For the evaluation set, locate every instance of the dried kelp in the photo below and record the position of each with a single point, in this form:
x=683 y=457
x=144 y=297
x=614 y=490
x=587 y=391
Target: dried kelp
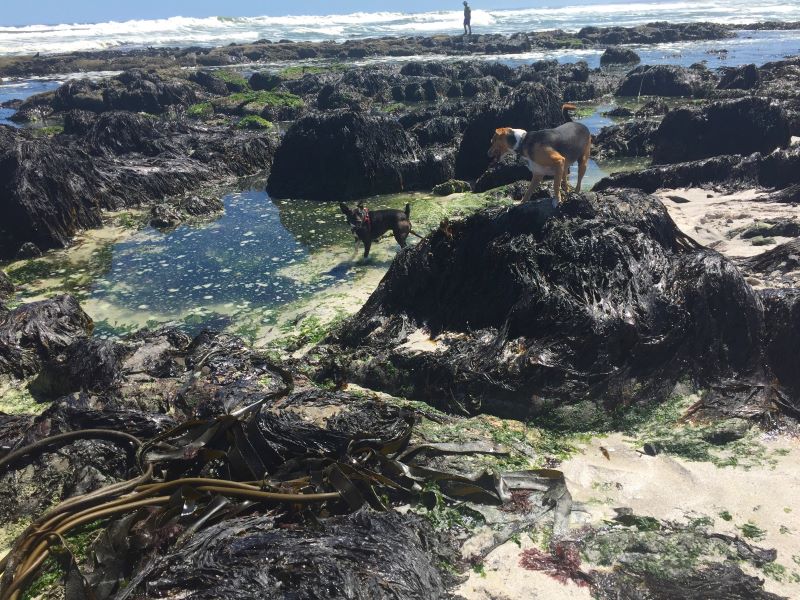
x=275 y=502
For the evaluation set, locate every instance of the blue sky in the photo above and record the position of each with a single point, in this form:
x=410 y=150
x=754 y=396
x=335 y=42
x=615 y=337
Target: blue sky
x=15 y=12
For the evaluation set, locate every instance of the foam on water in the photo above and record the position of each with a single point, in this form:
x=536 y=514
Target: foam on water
x=211 y=31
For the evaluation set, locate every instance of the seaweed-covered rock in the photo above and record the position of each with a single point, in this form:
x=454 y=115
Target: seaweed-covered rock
x=46 y=192
x=530 y=106
x=442 y=129
x=166 y=215
x=745 y=77
x=343 y=155
x=632 y=139
x=738 y=127
x=86 y=364
x=354 y=556
x=666 y=80
x=615 y=55
x=571 y=311
x=6 y=286
x=782 y=320
x=452 y=186
x=780 y=170
x=508 y=169
x=28 y=250
x=261 y=80
x=38 y=331
x=207 y=81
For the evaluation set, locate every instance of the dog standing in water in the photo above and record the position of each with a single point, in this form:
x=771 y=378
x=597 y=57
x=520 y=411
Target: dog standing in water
x=547 y=151
x=369 y=225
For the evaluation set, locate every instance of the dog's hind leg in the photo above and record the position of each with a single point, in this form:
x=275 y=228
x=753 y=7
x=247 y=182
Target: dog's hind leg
x=582 y=162
x=565 y=181
x=536 y=181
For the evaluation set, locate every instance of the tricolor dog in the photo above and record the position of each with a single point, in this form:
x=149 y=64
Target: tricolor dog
x=547 y=151
x=369 y=226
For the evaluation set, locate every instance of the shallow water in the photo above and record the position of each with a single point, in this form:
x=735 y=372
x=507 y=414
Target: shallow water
x=20 y=90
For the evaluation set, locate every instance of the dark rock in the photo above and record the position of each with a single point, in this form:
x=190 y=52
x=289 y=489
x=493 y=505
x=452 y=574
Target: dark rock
x=356 y=553
x=783 y=258
x=564 y=312
x=79 y=94
x=332 y=97
x=342 y=155
x=770 y=227
x=790 y=195
x=619 y=112
x=746 y=77
x=140 y=91
x=737 y=127
x=28 y=250
x=782 y=321
x=78 y=122
x=508 y=169
x=7 y=288
x=442 y=130
x=530 y=106
x=49 y=188
x=38 y=331
x=264 y=81
x=615 y=55
x=208 y=82
x=167 y=215
x=780 y=170
x=413 y=93
x=119 y=132
x=452 y=186
x=486 y=86
x=666 y=80
x=653 y=108
x=579 y=92
x=631 y=139
x=87 y=364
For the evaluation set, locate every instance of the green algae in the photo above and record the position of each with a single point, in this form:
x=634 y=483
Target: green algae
x=200 y=110
x=16 y=399
x=254 y=122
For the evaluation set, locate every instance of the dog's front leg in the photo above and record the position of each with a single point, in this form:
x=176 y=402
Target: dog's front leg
x=536 y=181
x=367 y=246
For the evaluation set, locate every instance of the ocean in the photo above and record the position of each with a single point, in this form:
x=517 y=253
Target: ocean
x=215 y=31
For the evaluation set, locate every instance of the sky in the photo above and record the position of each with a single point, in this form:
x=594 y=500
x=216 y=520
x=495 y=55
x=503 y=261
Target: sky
x=51 y=12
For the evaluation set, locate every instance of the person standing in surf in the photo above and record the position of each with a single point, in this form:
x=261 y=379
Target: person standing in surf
x=467 y=18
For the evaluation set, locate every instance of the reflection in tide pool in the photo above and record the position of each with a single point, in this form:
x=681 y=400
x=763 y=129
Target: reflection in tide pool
x=206 y=274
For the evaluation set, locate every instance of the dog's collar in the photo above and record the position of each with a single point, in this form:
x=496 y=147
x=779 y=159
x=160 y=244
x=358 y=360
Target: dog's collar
x=367 y=219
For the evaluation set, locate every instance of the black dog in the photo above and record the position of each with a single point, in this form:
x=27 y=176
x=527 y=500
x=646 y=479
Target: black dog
x=369 y=225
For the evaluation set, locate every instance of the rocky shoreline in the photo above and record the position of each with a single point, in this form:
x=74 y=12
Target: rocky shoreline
x=285 y=50
x=437 y=418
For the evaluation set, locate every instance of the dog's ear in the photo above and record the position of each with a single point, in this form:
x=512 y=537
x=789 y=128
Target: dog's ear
x=345 y=209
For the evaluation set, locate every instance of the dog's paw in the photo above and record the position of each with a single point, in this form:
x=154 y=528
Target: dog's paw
x=555 y=202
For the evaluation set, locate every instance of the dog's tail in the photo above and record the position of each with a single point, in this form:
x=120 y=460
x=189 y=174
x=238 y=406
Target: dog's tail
x=408 y=210
x=565 y=108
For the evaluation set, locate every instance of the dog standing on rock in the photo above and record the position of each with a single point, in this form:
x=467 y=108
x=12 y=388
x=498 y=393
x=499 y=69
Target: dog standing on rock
x=369 y=226
x=547 y=151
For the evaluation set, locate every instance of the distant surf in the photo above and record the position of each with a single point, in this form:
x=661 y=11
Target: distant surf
x=214 y=31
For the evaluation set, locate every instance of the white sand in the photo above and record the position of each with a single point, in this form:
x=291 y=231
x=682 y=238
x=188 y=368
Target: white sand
x=710 y=217
x=666 y=487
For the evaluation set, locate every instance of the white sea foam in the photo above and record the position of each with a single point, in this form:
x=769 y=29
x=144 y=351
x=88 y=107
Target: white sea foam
x=188 y=31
